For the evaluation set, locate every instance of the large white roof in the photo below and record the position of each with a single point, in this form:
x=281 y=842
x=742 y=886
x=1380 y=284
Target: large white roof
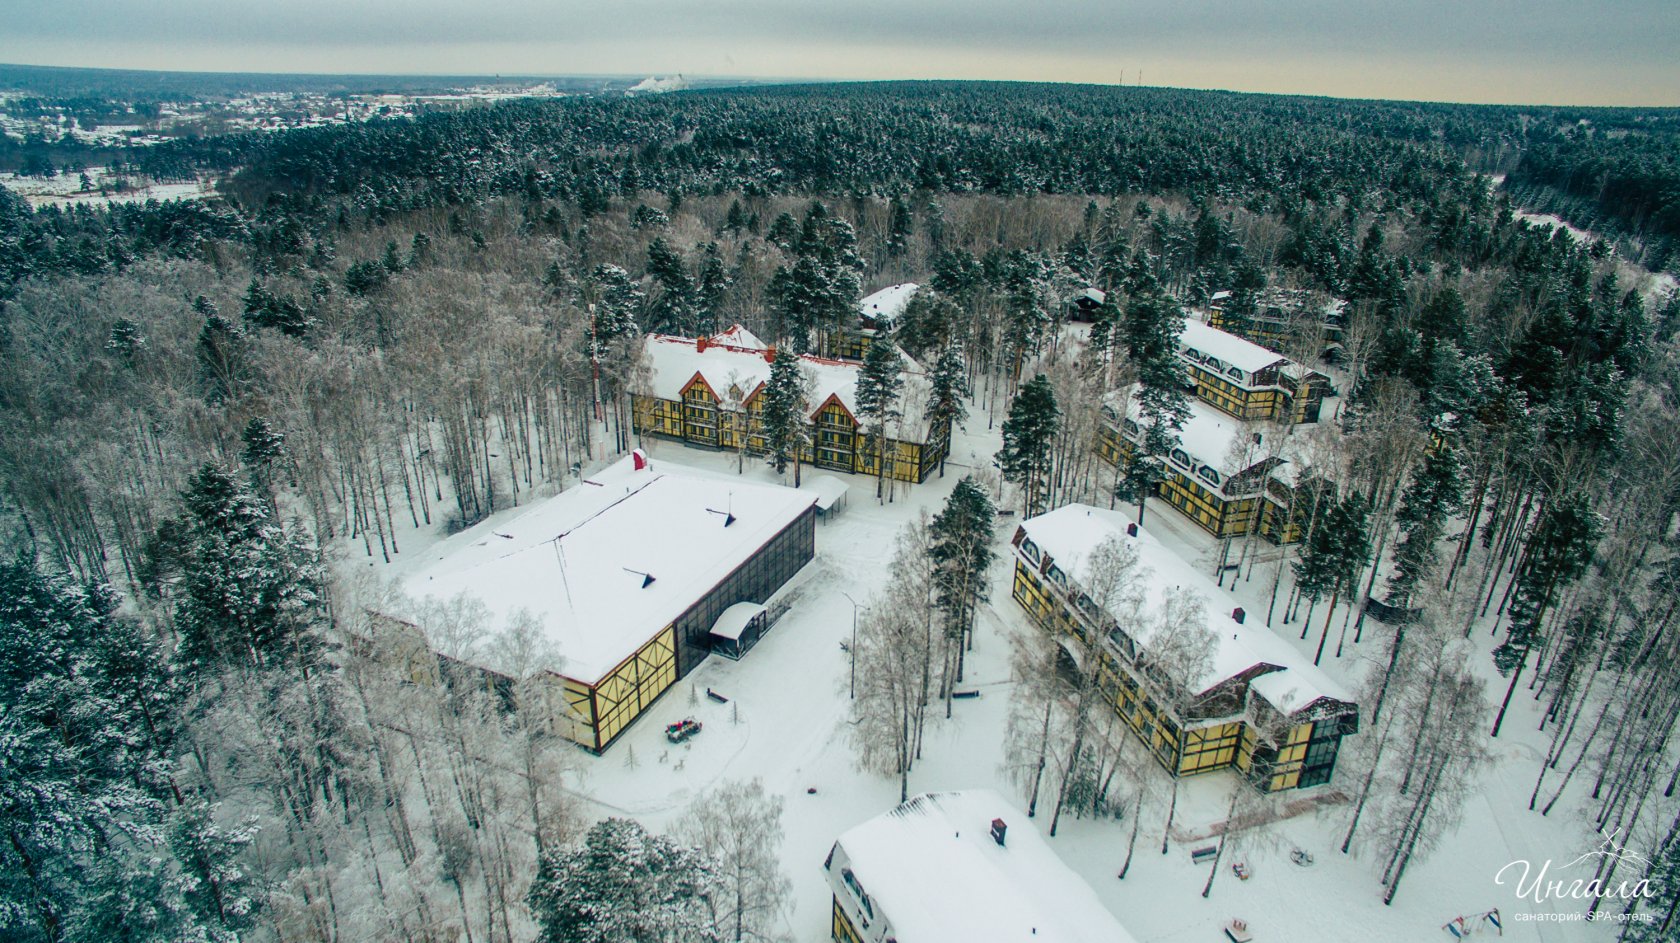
x=1229 y=348
x=579 y=561
x=933 y=872
x=884 y=306
x=1071 y=534
x=1209 y=436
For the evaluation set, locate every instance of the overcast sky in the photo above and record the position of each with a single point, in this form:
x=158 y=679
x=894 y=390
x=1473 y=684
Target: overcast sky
x=1528 y=51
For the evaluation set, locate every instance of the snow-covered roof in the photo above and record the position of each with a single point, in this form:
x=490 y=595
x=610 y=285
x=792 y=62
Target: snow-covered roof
x=932 y=871
x=1230 y=349
x=829 y=490
x=676 y=360
x=1096 y=295
x=607 y=564
x=1208 y=435
x=734 y=620
x=1071 y=534
x=884 y=306
x=739 y=336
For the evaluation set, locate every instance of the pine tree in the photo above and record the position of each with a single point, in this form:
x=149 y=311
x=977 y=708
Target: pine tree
x=783 y=415
x=618 y=301
x=624 y=885
x=1558 y=553
x=945 y=409
x=1150 y=330
x=961 y=551
x=251 y=592
x=1329 y=565
x=1433 y=495
x=1029 y=314
x=89 y=711
x=879 y=383
x=1029 y=436
x=900 y=226
x=712 y=291
x=671 y=307
x=264 y=447
x=223 y=359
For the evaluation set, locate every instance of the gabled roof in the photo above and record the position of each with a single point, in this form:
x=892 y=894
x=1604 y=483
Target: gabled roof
x=675 y=362
x=1209 y=436
x=1288 y=680
x=1230 y=349
x=933 y=873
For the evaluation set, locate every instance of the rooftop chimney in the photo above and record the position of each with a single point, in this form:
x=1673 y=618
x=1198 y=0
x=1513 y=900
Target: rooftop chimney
x=998 y=830
x=1238 y=615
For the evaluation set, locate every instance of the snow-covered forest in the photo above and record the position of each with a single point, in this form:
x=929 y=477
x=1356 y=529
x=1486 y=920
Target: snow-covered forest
x=228 y=426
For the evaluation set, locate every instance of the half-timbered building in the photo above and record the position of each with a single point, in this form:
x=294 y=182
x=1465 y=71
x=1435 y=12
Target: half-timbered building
x=706 y=392
x=625 y=577
x=1255 y=705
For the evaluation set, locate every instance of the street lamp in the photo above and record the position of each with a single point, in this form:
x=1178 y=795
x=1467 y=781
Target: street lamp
x=852 y=651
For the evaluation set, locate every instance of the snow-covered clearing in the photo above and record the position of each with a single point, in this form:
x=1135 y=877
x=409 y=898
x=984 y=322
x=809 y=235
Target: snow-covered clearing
x=786 y=722
x=66 y=189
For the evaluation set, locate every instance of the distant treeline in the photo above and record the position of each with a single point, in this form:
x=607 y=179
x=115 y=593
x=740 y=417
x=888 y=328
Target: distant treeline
x=1616 y=170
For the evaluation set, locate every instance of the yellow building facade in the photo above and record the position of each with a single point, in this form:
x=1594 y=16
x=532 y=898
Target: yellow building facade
x=707 y=394
x=1230 y=723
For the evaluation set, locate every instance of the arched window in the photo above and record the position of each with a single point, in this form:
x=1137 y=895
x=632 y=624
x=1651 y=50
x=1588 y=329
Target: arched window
x=1234 y=374
x=1207 y=472
x=1030 y=551
x=1179 y=457
x=1057 y=576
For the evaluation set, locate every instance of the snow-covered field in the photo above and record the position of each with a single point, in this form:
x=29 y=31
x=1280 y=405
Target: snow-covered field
x=786 y=722
x=66 y=189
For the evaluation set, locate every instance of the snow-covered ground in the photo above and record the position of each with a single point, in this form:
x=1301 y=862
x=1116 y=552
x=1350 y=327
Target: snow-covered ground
x=786 y=722
x=66 y=189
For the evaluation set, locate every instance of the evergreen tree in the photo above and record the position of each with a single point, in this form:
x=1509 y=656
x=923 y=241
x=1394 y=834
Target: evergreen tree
x=900 y=226
x=264 y=308
x=1150 y=330
x=1029 y=315
x=625 y=885
x=1429 y=500
x=671 y=307
x=711 y=291
x=126 y=341
x=879 y=383
x=1029 y=437
x=1244 y=302
x=948 y=387
x=618 y=301
x=783 y=415
x=223 y=359
x=961 y=551
x=251 y=592
x=88 y=713
x=1558 y=553
x=264 y=447
x=1329 y=564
